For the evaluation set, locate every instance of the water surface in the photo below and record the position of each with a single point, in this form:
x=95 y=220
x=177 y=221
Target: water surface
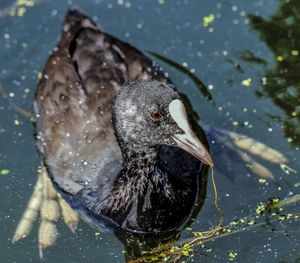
x=248 y=57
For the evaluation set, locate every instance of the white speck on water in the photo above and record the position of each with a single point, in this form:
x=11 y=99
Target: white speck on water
x=185 y=64
x=54 y=12
x=235 y=21
x=234 y=8
x=242 y=13
x=127 y=4
x=16 y=82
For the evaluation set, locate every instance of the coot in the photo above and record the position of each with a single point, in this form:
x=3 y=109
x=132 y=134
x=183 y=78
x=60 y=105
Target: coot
x=114 y=134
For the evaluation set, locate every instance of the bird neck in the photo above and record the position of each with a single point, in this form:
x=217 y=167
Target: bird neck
x=140 y=161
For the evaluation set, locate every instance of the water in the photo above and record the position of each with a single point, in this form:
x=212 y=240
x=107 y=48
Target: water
x=249 y=39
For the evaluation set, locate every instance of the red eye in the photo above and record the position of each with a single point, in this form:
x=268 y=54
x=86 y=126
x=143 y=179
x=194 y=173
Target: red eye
x=155 y=115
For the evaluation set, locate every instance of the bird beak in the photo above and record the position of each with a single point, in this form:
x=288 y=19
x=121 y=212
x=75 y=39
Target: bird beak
x=188 y=141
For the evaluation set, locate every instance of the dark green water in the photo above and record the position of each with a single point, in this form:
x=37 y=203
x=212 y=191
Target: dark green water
x=257 y=39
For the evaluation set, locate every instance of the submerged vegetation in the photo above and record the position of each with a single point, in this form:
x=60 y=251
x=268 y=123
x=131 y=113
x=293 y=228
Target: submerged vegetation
x=265 y=214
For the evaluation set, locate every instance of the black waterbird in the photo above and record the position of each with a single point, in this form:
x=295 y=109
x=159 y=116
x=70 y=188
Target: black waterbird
x=114 y=134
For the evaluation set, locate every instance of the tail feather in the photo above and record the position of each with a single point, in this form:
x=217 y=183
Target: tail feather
x=75 y=21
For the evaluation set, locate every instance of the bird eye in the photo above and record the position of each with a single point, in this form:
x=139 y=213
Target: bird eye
x=155 y=115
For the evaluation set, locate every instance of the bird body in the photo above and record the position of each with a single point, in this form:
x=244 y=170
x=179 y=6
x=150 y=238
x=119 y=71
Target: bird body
x=108 y=125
